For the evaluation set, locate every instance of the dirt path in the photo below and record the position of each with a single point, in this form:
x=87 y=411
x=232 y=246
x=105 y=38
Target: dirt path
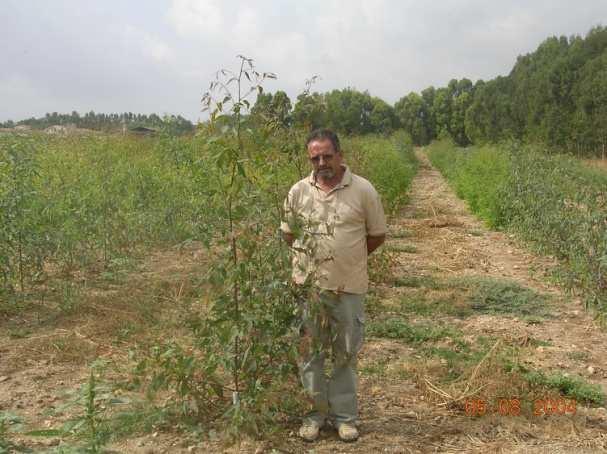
x=441 y=252
x=461 y=307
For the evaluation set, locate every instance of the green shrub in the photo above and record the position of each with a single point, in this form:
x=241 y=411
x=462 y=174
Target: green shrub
x=478 y=176
x=397 y=328
x=561 y=206
x=552 y=201
x=79 y=201
x=74 y=201
x=507 y=297
x=389 y=163
x=570 y=386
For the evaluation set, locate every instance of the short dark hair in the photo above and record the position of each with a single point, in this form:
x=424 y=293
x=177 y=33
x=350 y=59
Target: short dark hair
x=324 y=134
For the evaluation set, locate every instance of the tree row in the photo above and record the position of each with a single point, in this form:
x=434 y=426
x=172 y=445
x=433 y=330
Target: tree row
x=107 y=122
x=556 y=95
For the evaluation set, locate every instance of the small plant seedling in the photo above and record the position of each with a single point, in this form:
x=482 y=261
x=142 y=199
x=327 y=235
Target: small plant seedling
x=406 y=248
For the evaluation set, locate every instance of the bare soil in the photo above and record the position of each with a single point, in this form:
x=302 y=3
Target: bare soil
x=407 y=403
x=596 y=163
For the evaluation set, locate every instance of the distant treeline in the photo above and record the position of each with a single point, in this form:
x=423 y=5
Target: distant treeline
x=107 y=122
x=556 y=95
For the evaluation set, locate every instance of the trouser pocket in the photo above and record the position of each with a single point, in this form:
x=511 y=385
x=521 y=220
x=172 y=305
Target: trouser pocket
x=358 y=335
x=349 y=341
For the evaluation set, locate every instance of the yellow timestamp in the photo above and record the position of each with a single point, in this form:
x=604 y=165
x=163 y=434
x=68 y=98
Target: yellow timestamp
x=512 y=407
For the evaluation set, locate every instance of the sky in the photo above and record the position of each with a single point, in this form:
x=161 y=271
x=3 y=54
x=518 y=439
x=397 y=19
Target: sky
x=160 y=56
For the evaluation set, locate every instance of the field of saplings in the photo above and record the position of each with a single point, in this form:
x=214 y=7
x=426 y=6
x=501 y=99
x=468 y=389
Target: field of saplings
x=94 y=202
x=82 y=217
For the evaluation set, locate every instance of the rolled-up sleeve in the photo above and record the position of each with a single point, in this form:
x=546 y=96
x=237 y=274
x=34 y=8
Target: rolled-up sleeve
x=374 y=214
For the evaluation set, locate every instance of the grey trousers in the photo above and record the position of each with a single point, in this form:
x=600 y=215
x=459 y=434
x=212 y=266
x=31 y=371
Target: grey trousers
x=332 y=326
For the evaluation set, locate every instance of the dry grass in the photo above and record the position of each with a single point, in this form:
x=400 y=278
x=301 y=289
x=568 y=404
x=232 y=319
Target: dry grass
x=104 y=315
x=596 y=163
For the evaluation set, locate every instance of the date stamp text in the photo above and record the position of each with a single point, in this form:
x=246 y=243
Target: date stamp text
x=512 y=407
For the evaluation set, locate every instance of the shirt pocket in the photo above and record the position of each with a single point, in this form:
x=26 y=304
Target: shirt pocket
x=348 y=214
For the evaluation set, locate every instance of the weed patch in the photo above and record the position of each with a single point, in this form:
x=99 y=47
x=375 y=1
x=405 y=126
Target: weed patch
x=407 y=248
x=570 y=386
x=459 y=355
x=416 y=281
x=10 y=423
x=400 y=233
x=428 y=306
x=508 y=297
x=463 y=297
x=397 y=328
x=579 y=356
x=500 y=297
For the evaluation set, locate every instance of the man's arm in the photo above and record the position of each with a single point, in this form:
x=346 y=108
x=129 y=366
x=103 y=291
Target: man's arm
x=373 y=242
x=375 y=220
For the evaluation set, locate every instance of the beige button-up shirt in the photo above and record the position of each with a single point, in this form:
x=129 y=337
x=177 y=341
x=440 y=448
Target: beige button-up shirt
x=331 y=230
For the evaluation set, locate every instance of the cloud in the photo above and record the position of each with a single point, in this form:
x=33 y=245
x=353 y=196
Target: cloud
x=162 y=57
x=20 y=94
x=149 y=45
x=193 y=17
x=247 y=24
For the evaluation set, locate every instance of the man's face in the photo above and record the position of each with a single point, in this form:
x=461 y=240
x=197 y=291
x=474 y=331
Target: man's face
x=326 y=162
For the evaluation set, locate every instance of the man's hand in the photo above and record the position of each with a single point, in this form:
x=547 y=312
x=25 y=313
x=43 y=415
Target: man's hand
x=373 y=242
x=289 y=238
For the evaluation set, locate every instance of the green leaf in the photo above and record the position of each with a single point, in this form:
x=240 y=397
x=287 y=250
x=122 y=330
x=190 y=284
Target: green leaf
x=45 y=433
x=241 y=170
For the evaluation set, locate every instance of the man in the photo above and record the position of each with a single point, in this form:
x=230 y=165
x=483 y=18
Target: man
x=341 y=221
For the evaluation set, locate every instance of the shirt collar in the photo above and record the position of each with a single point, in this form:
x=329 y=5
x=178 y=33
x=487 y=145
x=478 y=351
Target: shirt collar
x=346 y=178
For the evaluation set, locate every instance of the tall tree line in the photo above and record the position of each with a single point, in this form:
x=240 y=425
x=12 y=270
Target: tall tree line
x=348 y=111
x=556 y=95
